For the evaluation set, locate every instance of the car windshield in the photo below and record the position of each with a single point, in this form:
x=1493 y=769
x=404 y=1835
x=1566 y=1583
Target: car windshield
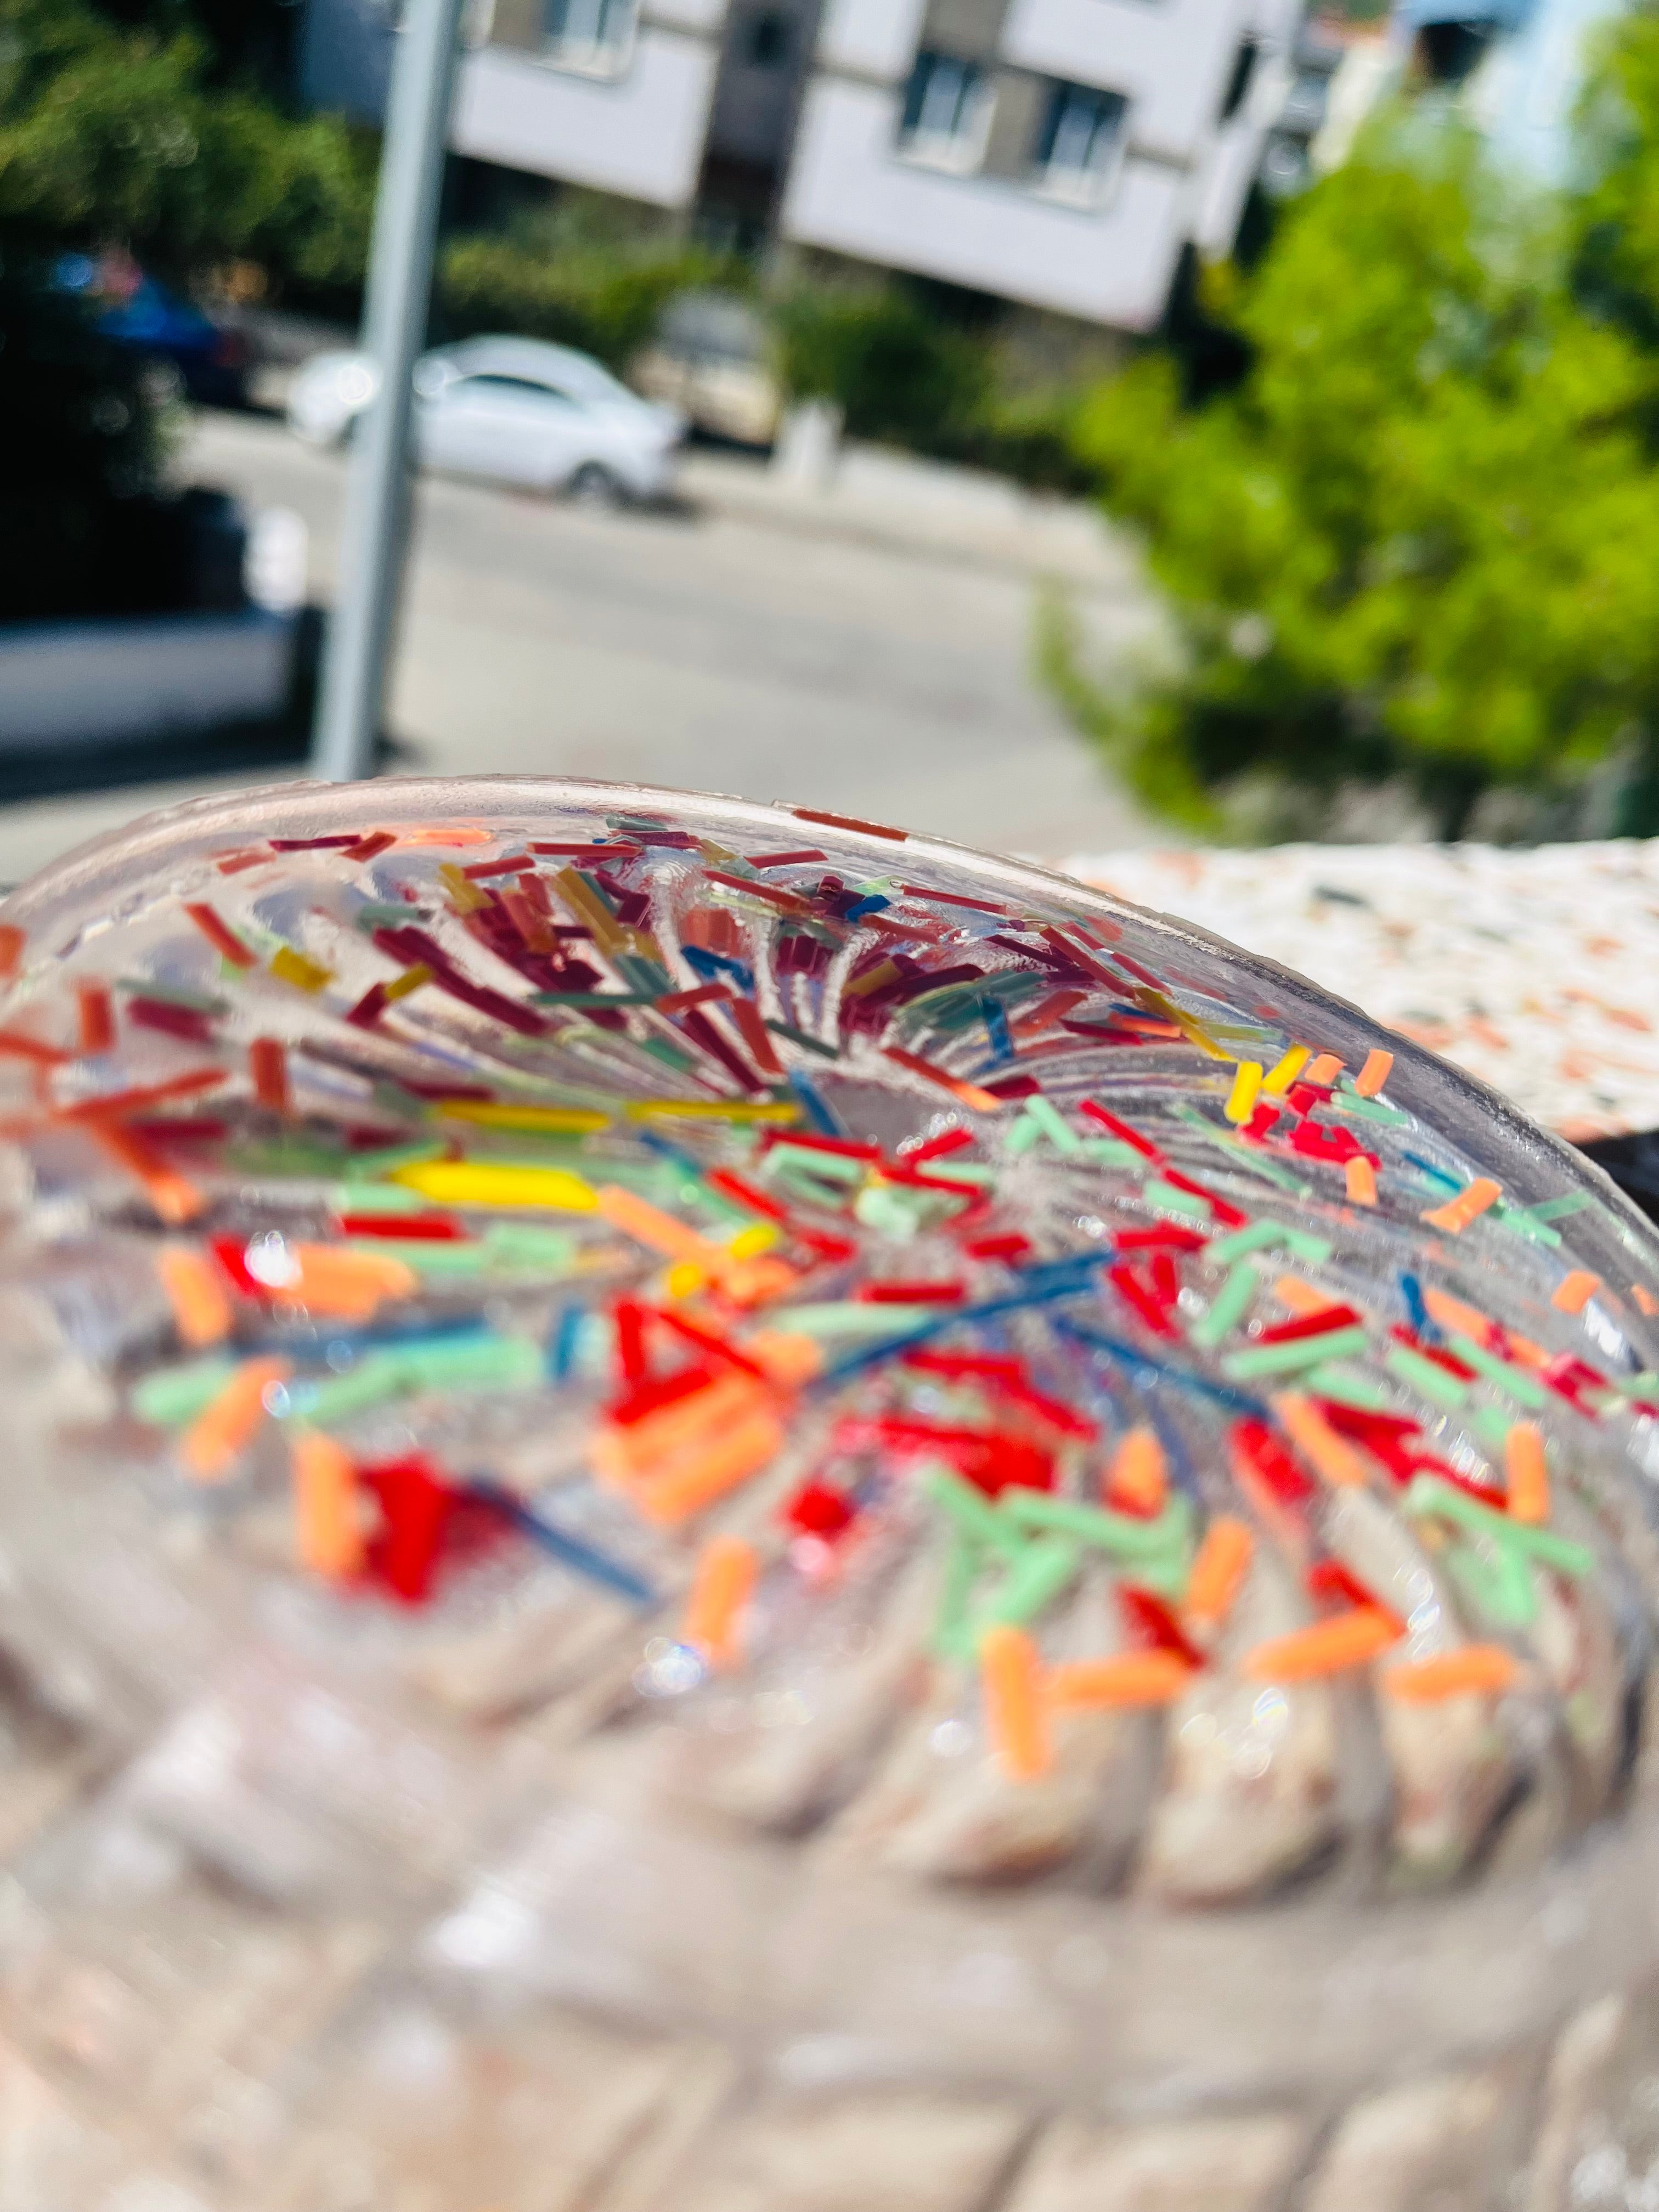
x=713 y=328
x=565 y=375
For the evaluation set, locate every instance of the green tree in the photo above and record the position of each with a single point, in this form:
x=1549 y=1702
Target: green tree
x=586 y=271
x=248 y=41
x=109 y=135
x=1614 y=213
x=113 y=135
x=926 y=368
x=1421 y=541
x=898 y=372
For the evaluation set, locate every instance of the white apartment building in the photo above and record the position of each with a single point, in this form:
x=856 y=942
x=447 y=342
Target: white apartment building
x=1058 y=154
x=617 y=94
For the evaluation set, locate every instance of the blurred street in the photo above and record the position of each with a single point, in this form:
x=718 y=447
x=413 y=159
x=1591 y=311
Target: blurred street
x=867 y=652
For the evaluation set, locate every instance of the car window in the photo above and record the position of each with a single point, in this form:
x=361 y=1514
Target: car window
x=481 y=385
x=586 y=382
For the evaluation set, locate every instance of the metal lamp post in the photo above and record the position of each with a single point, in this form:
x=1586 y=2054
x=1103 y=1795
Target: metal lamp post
x=374 y=527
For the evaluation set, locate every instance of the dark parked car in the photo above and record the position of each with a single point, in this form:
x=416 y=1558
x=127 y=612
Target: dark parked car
x=206 y=362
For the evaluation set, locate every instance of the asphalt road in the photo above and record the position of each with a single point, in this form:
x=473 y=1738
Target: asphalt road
x=722 y=648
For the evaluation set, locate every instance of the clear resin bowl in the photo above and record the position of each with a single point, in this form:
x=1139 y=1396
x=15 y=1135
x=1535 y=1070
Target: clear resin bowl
x=713 y=1510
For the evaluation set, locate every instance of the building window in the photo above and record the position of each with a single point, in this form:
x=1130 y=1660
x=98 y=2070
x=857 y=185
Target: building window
x=947 y=112
x=593 y=35
x=1448 y=53
x=766 y=39
x=1239 y=83
x=1079 y=144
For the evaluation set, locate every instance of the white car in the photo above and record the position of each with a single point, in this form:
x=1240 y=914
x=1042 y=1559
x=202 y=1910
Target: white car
x=514 y=409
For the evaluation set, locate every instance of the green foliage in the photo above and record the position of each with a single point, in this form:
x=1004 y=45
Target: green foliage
x=126 y=135
x=1615 y=213
x=583 y=274
x=905 y=374
x=108 y=135
x=306 y=202
x=246 y=41
x=100 y=135
x=1421 y=541
x=899 y=373
x=1034 y=437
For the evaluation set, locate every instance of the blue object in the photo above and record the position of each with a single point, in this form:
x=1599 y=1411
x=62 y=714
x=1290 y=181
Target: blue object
x=1417 y=1312
x=1040 y=1285
x=1174 y=1447
x=996 y=1028
x=569 y=1551
x=155 y=322
x=561 y=1353
x=1434 y=1174
x=1130 y=1356
x=353 y=1342
x=711 y=966
x=817 y=1112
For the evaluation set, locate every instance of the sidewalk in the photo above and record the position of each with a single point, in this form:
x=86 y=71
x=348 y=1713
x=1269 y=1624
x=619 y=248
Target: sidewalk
x=880 y=497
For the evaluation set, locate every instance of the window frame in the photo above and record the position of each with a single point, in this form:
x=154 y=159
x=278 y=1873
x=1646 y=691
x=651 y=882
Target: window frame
x=1090 y=184
x=960 y=153
x=1244 y=74
x=604 y=56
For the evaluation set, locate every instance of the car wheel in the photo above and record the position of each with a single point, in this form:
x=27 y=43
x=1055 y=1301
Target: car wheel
x=593 y=485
